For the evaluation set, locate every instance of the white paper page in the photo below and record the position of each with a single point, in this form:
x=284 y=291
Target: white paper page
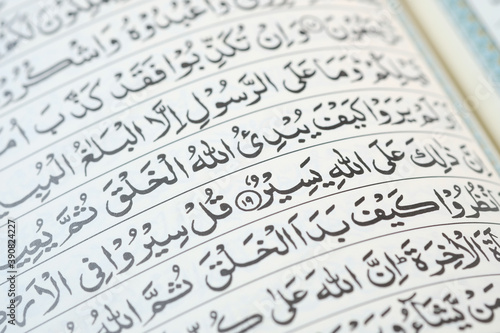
x=234 y=166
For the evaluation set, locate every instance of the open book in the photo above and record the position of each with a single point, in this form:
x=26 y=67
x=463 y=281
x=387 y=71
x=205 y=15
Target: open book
x=240 y=166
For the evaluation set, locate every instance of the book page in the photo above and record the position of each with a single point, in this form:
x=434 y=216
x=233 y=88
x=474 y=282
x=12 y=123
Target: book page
x=237 y=166
x=464 y=35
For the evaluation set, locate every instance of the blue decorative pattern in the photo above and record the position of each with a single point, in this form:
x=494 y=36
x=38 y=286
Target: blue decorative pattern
x=476 y=37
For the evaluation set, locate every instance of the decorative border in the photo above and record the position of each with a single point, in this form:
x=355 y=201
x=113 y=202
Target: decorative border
x=454 y=96
x=476 y=36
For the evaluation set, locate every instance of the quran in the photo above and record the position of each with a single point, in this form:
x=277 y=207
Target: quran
x=249 y=166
